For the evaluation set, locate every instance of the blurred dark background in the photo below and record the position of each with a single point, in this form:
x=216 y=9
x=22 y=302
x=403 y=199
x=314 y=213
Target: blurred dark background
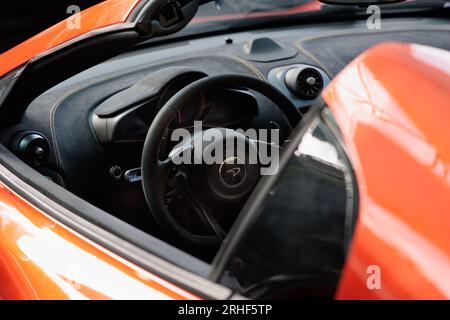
x=21 y=19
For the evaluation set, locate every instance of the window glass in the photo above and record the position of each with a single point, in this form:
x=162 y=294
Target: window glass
x=299 y=238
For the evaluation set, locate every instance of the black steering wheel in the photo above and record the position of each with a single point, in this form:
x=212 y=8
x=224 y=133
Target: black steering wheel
x=216 y=189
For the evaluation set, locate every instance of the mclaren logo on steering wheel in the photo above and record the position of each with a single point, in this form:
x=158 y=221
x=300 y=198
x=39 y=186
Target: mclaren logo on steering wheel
x=234 y=171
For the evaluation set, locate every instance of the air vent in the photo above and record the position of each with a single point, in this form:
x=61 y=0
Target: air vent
x=32 y=147
x=306 y=83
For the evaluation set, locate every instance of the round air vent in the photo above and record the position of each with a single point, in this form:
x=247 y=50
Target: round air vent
x=306 y=83
x=32 y=147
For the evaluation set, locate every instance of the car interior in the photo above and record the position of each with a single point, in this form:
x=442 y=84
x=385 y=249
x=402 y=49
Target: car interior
x=97 y=143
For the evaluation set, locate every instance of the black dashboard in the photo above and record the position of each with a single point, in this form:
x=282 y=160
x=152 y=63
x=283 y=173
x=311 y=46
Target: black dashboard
x=127 y=115
x=94 y=123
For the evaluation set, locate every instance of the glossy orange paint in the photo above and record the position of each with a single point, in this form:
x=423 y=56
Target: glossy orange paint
x=42 y=259
x=104 y=14
x=393 y=107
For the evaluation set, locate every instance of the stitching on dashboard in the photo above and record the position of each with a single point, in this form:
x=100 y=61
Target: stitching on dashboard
x=52 y=125
x=58 y=104
x=248 y=65
x=299 y=46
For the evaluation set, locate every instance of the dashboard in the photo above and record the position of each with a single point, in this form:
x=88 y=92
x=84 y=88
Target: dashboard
x=91 y=127
x=127 y=115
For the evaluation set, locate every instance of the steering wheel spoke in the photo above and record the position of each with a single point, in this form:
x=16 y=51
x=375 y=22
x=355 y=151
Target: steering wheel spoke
x=163 y=165
x=161 y=169
x=204 y=213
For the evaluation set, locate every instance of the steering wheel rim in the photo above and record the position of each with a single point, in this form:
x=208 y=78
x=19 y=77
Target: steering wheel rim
x=153 y=169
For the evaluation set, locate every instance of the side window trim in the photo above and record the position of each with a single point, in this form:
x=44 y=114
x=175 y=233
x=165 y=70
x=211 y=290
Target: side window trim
x=352 y=188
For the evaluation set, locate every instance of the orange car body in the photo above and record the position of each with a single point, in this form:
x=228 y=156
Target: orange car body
x=392 y=105
x=102 y=15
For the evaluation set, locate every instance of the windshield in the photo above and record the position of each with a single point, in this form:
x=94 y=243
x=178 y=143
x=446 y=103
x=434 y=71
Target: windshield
x=244 y=10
